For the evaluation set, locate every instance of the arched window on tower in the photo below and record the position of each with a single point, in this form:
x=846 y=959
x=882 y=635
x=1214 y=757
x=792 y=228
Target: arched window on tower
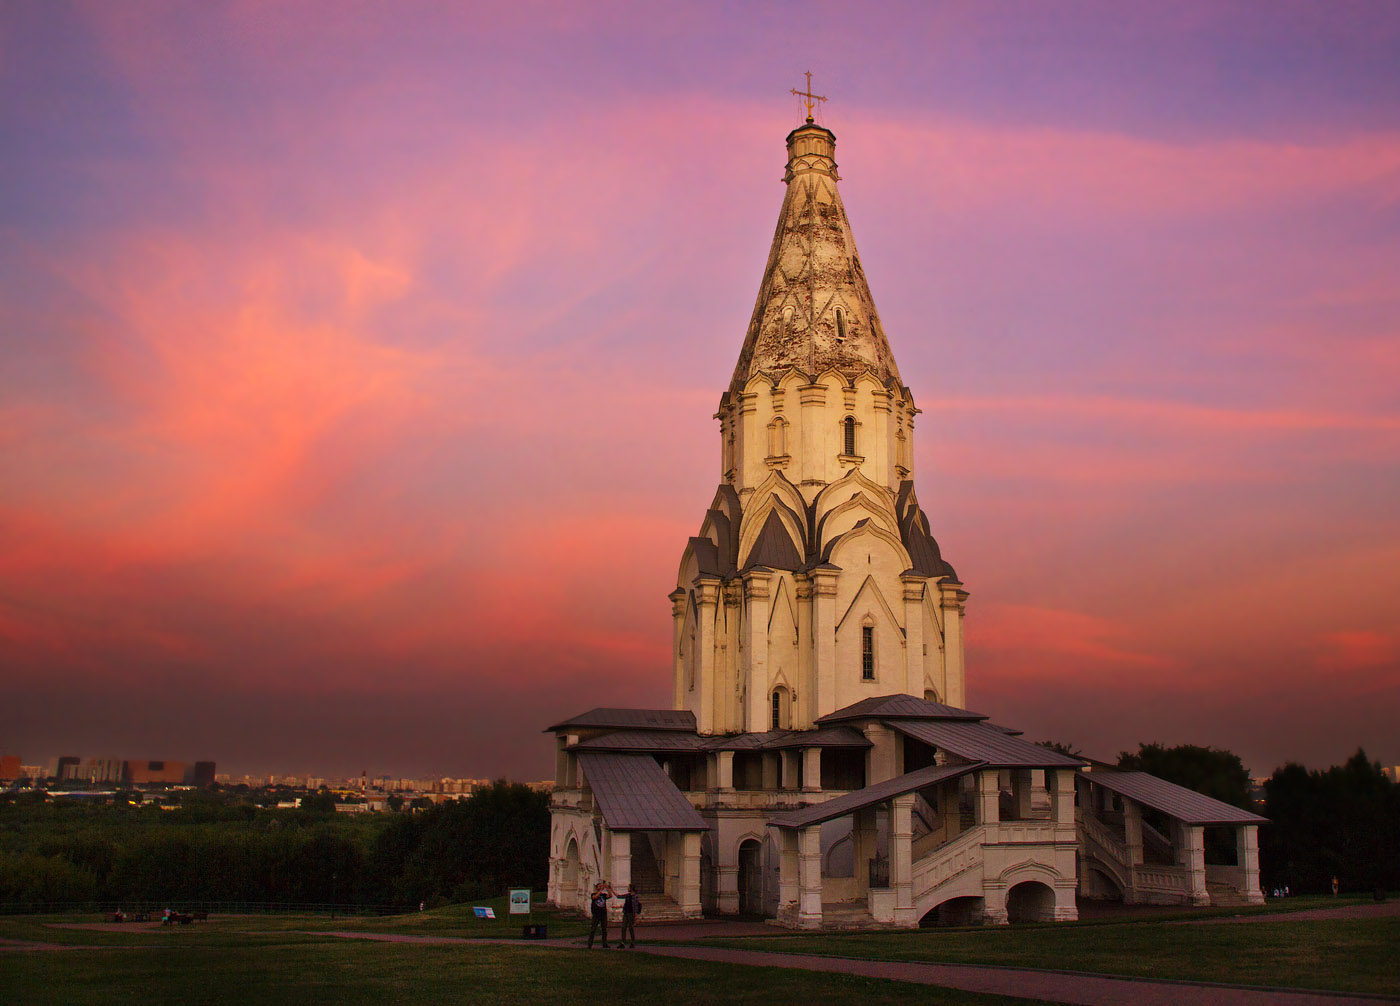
x=849 y=435
x=867 y=653
x=780 y=714
x=840 y=325
x=901 y=449
x=777 y=437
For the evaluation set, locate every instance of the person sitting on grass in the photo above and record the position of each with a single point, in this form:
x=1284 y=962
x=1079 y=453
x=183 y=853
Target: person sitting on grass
x=598 y=907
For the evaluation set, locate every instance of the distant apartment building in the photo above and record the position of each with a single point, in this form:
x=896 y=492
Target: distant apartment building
x=11 y=768
x=145 y=773
x=102 y=770
x=66 y=767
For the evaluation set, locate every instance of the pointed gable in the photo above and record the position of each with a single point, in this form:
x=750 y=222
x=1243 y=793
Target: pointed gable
x=774 y=547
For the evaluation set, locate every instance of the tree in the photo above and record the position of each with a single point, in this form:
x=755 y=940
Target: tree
x=1343 y=823
x=1212 y=771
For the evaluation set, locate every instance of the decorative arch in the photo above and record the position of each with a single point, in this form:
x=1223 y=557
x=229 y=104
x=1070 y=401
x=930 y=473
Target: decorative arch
x=844 y=488
x=868 y=529
x=848 y=514
x=778 y=437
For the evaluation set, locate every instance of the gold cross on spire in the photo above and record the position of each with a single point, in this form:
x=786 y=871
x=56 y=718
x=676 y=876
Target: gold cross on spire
x=809 y=99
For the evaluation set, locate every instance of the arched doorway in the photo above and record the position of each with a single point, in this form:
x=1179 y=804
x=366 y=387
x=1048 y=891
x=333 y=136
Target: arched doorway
x=750 y=877
x=1030 y=901
x=568 y=885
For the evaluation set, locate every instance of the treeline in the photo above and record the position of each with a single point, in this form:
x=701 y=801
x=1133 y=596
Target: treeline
x=1343 y=822
x=117 y=854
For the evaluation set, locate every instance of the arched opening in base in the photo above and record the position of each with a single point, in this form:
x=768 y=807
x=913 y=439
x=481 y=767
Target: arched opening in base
x=568 y=885
x=1030 y=901
x=955 y=912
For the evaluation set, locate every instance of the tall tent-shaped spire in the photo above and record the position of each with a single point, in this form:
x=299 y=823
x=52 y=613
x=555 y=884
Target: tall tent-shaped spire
x=814 y=310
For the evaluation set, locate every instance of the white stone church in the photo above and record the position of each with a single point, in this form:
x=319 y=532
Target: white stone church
x=818 y=766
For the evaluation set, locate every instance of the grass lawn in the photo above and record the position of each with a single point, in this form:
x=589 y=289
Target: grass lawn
x=264 y=963
x=1345 y=955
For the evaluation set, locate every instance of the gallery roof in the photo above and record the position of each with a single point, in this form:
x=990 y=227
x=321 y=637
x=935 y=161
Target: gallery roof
x=886 y=707
x=630 y=719
x=635 y=794
x=1186 y=805
x=982 y=742
x=817 y=813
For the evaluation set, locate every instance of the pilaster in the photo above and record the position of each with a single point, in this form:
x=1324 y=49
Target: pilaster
x=914 y=660
x=809 y=870
x=707 y=600
x=952 y=599
x=824 y=640
x=678 y=605
x=902 y=858
x=757 y=597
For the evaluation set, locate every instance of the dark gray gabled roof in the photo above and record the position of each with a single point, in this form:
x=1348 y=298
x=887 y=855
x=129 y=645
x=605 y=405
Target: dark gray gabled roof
x=871 y=795
x=1186 y=805
x=635 y=794
x=643 y=740
x=983 y=743
x=823 y=737
x=899 y=706
x=742 y=742
x=630 y=719
x=774 y=547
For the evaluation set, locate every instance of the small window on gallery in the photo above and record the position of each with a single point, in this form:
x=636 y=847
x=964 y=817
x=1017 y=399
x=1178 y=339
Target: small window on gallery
x=867 y=652
x=849 y=424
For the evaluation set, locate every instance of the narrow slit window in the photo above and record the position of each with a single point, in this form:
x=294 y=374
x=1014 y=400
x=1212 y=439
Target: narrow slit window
x=840 y=324
x=777 y=712
x=867 y=652
x=850 y=435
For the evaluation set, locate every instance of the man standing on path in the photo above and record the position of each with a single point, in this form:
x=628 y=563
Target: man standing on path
x=631 y=908
x=598 y=906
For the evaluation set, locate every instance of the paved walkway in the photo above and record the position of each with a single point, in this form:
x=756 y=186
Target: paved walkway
x=1375 y=910
x=1025 y=983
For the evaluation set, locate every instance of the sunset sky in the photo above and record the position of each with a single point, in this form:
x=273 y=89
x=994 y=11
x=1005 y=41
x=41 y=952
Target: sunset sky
x=357 y=361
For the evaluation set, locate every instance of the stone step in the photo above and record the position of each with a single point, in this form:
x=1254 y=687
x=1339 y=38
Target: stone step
x=847 y=915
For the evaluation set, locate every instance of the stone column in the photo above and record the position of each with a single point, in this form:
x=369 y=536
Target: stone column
x=1191 y=854
x=988 y=797
x=914 y=662
x=884 y=759
x=756 y=597
x=619 y=866
x=809 y=874
x=1247 y=858
x=789 y=757
x=688 y=897
x=811 y=770
x=1132 y=831
x=1060 y=782
x=788 y=869
x=951 y=598
x=772 y=771
x=1021 y=793
x=678 y=606
x=724 y=770
x=824 y=641
x=707 y=601
x=902 y=859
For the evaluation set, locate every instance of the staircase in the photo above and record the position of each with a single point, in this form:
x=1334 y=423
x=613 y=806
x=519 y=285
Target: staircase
x=649 y=885
x=646 y=877
x=847 y=915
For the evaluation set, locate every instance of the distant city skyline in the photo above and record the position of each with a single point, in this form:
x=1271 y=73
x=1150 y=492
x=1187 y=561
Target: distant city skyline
x=341 y=349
